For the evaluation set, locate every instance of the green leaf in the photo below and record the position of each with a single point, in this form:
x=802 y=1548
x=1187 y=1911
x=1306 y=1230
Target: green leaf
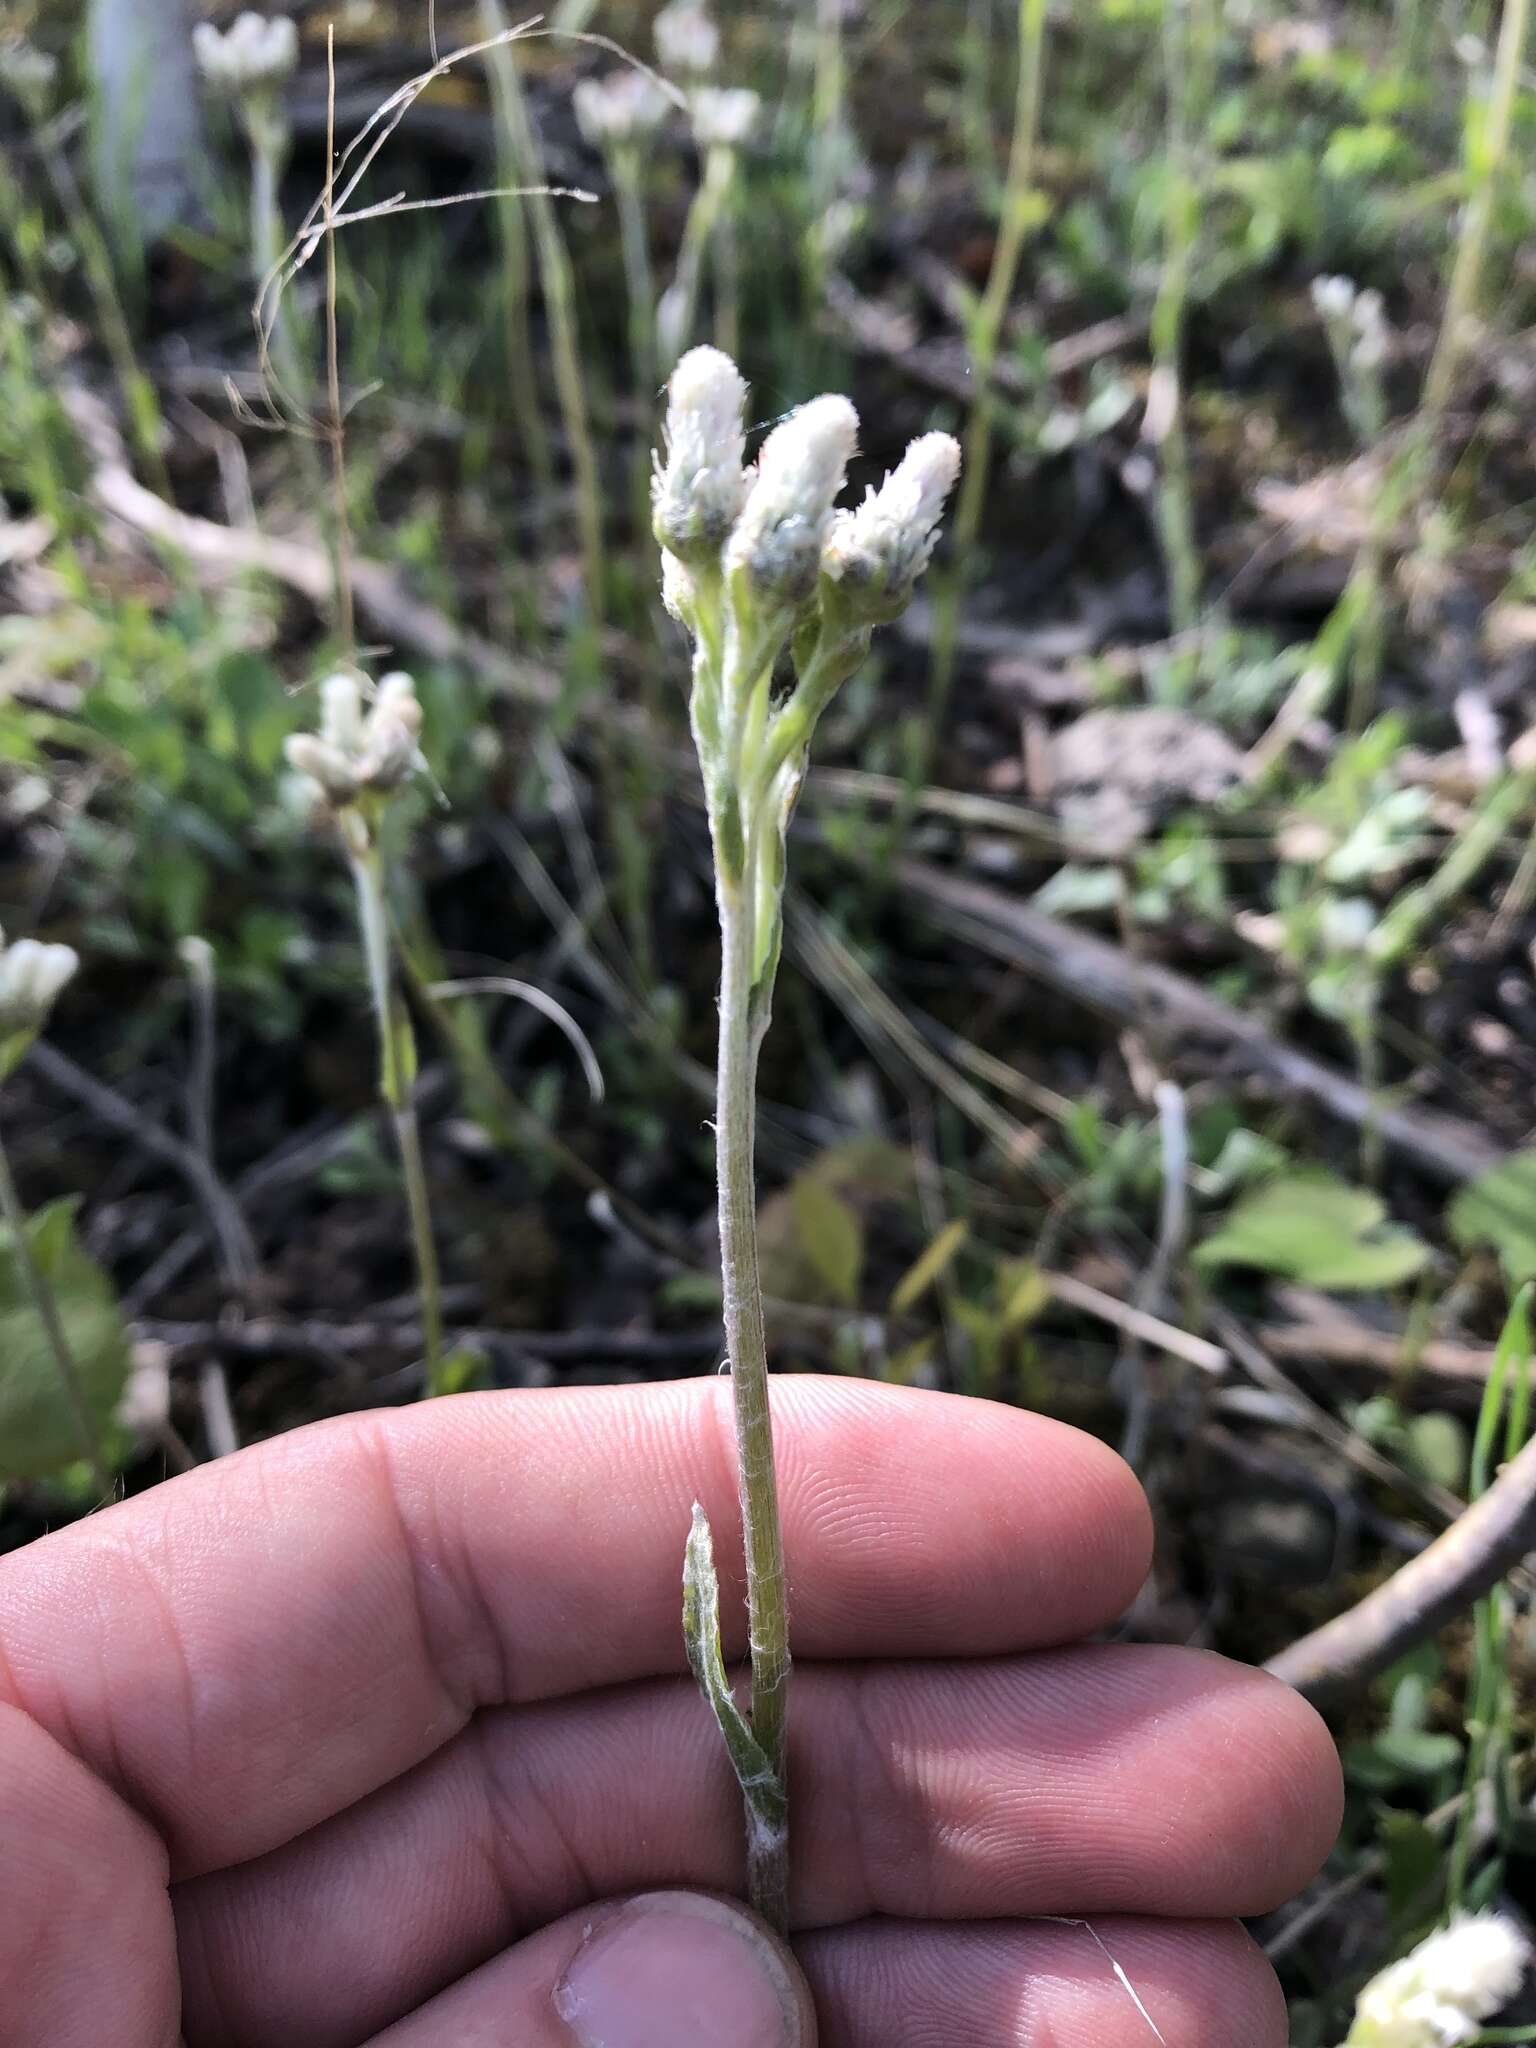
x=701 y=1634
x=1318 y=1231
x=1413 y=1853
x=1499 y=1209
x=38 y=1434
x=831 y=1237
x=929 y=1267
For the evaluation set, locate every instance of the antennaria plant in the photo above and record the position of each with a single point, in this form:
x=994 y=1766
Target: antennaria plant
x=32 y=977
x=761 y=568
x=358 y=762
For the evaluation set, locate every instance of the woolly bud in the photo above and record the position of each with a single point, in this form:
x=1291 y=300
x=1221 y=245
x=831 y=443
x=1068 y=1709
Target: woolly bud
x=30 y=73
x=783 y=527
x=391 y=734
x=341 y=712
x=1440 y=1993
x=723 y=117
x=31 y=977
x=877 y=552
x=687 y=40
x=1333 y=297
x=698 y=492
x=326 y=766
x=253 y=55
x=625 y=107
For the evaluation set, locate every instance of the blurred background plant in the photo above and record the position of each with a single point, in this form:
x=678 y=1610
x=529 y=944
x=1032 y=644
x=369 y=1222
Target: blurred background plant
x=1156 y=1035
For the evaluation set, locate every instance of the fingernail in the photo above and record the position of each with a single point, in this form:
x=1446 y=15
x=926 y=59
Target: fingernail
x=680 y=1970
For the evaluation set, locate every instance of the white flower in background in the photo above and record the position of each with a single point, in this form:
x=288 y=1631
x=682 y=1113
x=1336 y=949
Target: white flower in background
x=877 y=551
x=359 y=752
x=625 y=107
x=31 y=977
x=687 y=40
x=1333 y=297
x=724 y=116
x=1440 y=1993
x=785 y=522
x=700 y=488
x=255 y=54
x=29 y=73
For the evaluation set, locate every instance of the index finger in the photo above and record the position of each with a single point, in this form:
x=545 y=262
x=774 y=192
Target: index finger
x=247 y=1650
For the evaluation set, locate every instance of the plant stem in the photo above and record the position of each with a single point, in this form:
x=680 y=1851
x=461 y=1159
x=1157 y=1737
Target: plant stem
x=1487 y=167
x=680 y=304
x=559 y=284
x=986 y=333
x=1186 y=46
x=336 y=431
x=742 y=1022
x=522 y=379
x=47 y=1309
x=396 y=1062
x=640 y=290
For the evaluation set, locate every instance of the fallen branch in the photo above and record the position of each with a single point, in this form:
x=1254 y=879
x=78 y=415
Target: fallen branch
x=1458 y=1568
x=230 y=1231
x=386 y=608
x=1094 y=972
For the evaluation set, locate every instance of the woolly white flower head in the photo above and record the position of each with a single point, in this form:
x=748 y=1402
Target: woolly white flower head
x=724 y=117
x=783 y=526
x=255 y=54
x=31 y=976
x=698 y=492
x=1439 y=1995
x=357 y=751
x=624 y=107
x=30 y=73
x=687 y=40
x=1333 y=297
x=878 y=551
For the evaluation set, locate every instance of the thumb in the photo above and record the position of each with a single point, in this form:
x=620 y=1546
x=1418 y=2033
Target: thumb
x=659 y=1970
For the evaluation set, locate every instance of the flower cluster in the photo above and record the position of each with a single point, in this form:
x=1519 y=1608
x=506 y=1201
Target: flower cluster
x=32 y=975
x=1440 y=1993
x=759 y=562
x=1356 y=316
x=360 y=752
x=687 y=40
x=30 y=73
x=254 y=54
x=723 y=116
x=620 y=110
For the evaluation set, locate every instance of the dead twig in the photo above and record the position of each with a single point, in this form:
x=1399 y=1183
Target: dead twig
x=1098 y=974
x=1483 y=1544
x=231 y=1233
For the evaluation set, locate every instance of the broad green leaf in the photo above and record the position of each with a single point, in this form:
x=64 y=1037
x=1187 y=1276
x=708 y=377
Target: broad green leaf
x=37 y=1426
x=1499 y=1209
x=831 y=1237
x=929 y=1267
x=1317 y=1231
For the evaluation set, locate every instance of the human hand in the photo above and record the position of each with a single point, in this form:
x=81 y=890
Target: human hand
x=370 y=1734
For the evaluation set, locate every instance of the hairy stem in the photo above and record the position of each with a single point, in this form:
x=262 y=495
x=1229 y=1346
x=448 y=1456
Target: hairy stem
x=395 y=1064
x=741 y=1027
x=46 y=1307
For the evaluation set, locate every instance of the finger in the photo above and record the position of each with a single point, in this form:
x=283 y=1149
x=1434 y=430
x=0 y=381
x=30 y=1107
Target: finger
x=1109 y=1982
x=87 y=1943
x=1089 y=1780
x=665 y=1970
x=259 y=1644
x=890 y=1985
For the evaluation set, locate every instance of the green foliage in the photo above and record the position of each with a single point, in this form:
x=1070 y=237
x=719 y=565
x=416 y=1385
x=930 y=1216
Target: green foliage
x=1318 y=1231
x=38 y=1435
x=1498 y=1209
